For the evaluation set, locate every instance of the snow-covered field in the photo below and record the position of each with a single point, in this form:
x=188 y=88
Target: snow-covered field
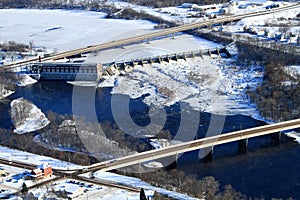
x=63 y=30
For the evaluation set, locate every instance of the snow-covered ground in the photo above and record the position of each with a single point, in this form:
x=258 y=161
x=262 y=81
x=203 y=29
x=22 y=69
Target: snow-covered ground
x=61 y=29
x=215 y=86
x=293 y=70
x=16 y=174
x=83 y=190
x=5 y=93
x=135 y=182
x=293 y=134
x=24 y=79
x=27 y=117
x=26 y=157
x=203 y=83
x=181 y=43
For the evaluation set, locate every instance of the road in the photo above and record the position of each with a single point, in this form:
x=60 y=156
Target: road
x=157 y=153
x=148 y=36
x=193 y=145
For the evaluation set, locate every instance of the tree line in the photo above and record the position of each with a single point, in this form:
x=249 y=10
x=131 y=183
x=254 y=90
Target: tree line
x=53 y=4
x=167 y=3
x=277 y=98
x=95 y=4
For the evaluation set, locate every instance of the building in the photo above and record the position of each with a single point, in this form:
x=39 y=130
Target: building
x=46 y=169
x=65 y=71
x=36 y=174
x=42 y=171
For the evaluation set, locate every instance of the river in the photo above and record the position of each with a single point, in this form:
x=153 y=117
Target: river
x=267 y=169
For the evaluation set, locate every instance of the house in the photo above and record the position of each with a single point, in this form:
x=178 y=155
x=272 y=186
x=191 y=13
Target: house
x=42 y=171
x=47 y=170
x=36 y=174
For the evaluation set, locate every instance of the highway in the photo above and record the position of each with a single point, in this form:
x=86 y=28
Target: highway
x=156 y=154
x=168 y=151
x=193 y=145
x=148 y=36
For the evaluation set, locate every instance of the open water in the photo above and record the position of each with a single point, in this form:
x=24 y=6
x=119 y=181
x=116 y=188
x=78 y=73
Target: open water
x=268 y=169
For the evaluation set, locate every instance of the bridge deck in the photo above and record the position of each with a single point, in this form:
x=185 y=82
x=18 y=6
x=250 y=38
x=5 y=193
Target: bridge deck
x=193 y=145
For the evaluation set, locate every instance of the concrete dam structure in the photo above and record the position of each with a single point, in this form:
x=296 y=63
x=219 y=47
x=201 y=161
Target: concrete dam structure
x=71 y=71
x=65 y=71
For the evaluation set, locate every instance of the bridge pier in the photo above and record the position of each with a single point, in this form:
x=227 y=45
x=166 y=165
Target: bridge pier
x=206 y=154
x=173 y=36
x=173 y=162
x=277 y=137
x=243 y=145
x=218 y=52
x=176 y=57
x=209 y=52
x=201 y=54
x=168 y=58
x=151 y=61
x=184 y=56
x=159 y=60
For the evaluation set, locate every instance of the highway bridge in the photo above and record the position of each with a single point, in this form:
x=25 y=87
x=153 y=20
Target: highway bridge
x=148 y=36
x=174 y=150
x=151 y=155
x=208 y=142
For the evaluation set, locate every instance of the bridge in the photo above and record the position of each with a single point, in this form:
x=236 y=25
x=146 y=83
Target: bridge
x=209 y=142
x=148 y=36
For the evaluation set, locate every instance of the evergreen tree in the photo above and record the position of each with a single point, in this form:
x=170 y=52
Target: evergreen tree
x=24 y=188
x=142 y=195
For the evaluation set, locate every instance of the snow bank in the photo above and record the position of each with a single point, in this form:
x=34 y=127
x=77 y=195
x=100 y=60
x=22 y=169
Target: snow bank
x=293 y=70
x=5 y=93
x=26 y=157
x=24 y=79
x=27 y=117
x=135 y=182
x=294 y=134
